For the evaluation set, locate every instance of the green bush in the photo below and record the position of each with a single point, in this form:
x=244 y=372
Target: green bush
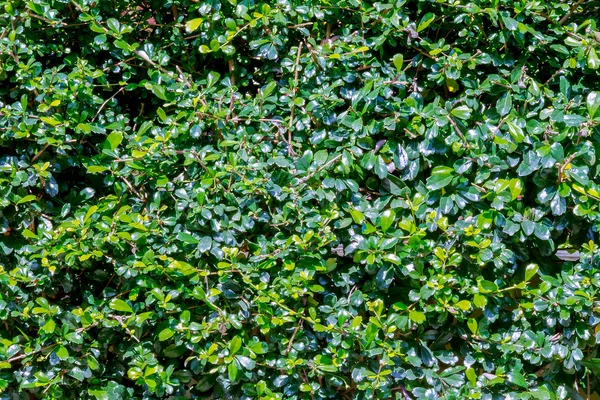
x=299 y=199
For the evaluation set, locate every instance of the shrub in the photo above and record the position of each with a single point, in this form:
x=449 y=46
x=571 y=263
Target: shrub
x=299 y=200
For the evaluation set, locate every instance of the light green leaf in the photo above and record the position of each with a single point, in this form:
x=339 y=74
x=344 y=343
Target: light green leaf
x=425 y=21
x=193 y=24
x=232 y=371
x=26 y=199
x=114 y=140
x=398 y=61
x=472 y=324
x=417 y=316
x=165 y=334
x=234 y=345
x=464 y=305
x=120 y=305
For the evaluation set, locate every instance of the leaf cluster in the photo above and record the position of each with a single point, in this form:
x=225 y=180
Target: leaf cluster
x=299 y=199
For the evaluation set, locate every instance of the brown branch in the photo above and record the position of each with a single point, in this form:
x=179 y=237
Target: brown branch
x=16 y=358
x=39 y=153
x=571 y=11
x=553 y=76
x=289 y=346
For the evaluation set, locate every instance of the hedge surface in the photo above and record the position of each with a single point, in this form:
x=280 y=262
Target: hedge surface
x=299 y=199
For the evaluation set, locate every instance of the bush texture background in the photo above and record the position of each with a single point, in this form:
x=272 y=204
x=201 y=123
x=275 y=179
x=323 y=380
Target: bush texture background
x=299 y=199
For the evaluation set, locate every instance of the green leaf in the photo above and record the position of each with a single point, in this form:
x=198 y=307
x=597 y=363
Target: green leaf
x=593 y=103
x=574 y=120
x=114 y=140
x=113 y=25
x=530 y=271
x=593 y=61
x=516 y=188
x=49 y=326
x=504 y=104
x=387 y=219
x=461 y=112
x=471 y=376
x=62 y=352
x=246 y=362
x=26 y=199
x=472 y=324
x=259 y=348
x=417 y=316
x=187 y=238
x=99 y=394
x=96 y=169
x=479 y=300
x=510 y=23
x=193 y=24
x=205 y=244
x=425 y=21
x=437 y=182
x=120 y=305
x=232 y=371
x=380 y=167
x=165 y=334
x=320 y=157
x=515 y=132
x=593 y=365
x=234 y=345
x=464 y=305
x=487 y=286
x=50 y=121
x=398 y=61
x=517 y=379
x=357 y=216
x=528 y=227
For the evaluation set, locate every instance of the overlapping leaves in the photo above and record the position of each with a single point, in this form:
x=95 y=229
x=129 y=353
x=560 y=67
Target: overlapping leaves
x=298 y=200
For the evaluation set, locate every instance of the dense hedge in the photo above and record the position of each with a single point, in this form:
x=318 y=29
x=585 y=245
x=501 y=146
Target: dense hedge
x=299 y=199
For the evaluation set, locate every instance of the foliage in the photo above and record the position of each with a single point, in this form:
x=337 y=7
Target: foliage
x=299 y=199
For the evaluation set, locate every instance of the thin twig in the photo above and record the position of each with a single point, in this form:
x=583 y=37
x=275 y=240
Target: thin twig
x=313 y=55
x=39 y=153
x=131 y=188
x=46 y=19
x=552 y=77
x=144 y=56
x=458 y=131
x=230 y=111
x=296 y=70
x=587 y=375
x=327 y=164
x=106 y=101
x=139 y=115
x=187 y=83
x=16 y=358
x=289 y=347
